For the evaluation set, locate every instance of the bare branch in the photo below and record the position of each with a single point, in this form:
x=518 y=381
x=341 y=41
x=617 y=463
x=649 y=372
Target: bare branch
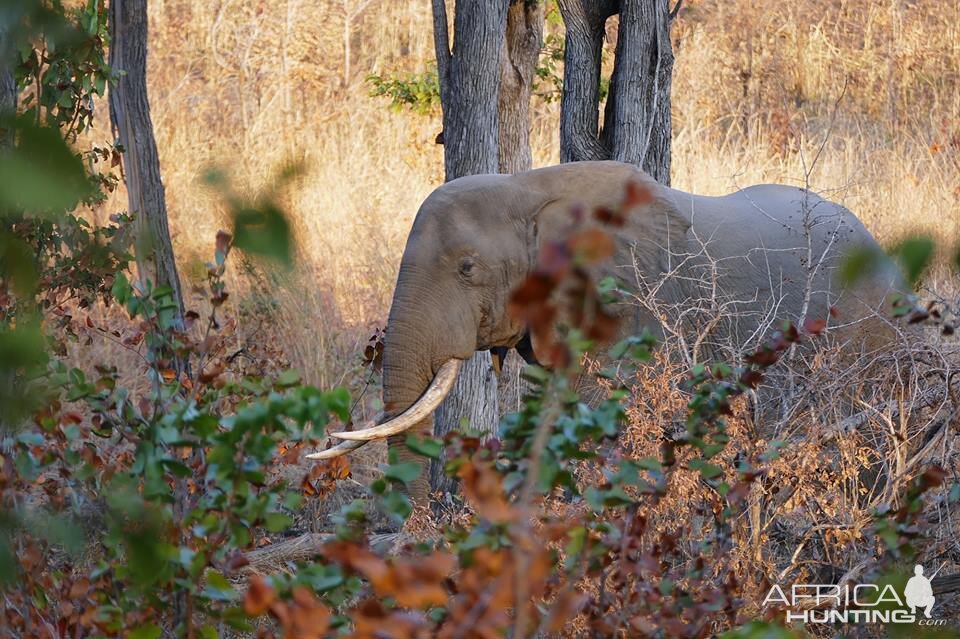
x=441 y=43
x=675 y=11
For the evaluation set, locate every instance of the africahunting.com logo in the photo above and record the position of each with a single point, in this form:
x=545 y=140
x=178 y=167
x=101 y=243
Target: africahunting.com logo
x=858 y=603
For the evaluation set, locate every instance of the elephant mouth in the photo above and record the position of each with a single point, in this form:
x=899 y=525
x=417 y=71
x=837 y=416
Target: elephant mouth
x=439 y=387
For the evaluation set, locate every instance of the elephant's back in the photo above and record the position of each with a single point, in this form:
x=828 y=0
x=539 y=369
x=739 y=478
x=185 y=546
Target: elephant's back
x=776 y=253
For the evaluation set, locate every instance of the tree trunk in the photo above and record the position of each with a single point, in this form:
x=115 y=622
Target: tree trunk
x=636 y=123
x=469 y=89
x=8 y=84
x=584 y=21
x=130 y=116
x=8 y=108
x=518 y=64
x=637 y=119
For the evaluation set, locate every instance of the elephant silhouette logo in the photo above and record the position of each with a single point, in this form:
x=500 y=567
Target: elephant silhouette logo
x=919 y=592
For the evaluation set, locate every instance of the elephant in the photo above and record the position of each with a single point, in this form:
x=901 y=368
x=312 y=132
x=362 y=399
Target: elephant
x=773 y=251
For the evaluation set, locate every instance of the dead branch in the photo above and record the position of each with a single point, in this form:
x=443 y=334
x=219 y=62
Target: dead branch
x=274 y=556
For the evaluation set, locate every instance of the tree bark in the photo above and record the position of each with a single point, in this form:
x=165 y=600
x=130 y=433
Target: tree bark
x=130 y=116
x=637 y=119
x=584 y=22
x=518 y=65
x=470 y=81
x=636 y=123
x=469 y=90
x=8 y=84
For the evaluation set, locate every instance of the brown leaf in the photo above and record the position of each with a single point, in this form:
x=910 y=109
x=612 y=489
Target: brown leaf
x=932 y=477
x=608 y=216
x=259 y=596
x=223 y=242
x=308 y=618
x=482 y=486
x=814 y=326
x=235 y=561
x=79 y=588
x=536 y=289
x=212 y=372
x=637 y=195
x=308 y=488
x=592 y=245
x=565 y=608
x=751 y=378
x=604 y=326
x=189 y=318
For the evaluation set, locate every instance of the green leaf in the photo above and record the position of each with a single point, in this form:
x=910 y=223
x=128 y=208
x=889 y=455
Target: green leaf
x=859 y=263
x=121 y=289
x=263 y=231
x=914 y=255
x=218 y=588
x=577 y=539
x=396 y=504
x=149 y=631
x=41 y=174
x=403 y=472
x=288 y=378
x=427 y=446
x=17 y=265
x=707 y=471
x=277 y=522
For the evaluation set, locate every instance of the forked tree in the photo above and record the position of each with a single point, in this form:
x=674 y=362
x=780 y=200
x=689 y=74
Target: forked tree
x=486 y=82
x=636 y=126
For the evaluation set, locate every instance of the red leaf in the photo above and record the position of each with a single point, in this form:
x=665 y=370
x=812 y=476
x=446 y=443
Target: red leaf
x=637 y=195
x=608 y=216
x=764 y=356
x=554 y=260
x=223 y=242
x=814 y=326
x=535 y=290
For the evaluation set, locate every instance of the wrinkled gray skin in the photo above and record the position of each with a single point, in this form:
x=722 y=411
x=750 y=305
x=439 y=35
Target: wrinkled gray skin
x=476 y=238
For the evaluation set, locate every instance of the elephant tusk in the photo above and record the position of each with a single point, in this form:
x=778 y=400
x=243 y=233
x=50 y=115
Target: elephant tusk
x=340 y=449
x=431 y=398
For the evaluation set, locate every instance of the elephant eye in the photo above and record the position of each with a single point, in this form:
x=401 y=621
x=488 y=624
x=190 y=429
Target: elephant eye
x=466 y=267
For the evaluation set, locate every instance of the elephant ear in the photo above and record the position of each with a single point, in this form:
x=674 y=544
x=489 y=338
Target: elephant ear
x=653 y=229
x=653 y=226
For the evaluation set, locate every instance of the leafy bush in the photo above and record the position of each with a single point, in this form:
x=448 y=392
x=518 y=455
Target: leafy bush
x=144 y=511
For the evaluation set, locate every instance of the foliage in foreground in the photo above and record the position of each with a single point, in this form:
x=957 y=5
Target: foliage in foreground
x=136 y=513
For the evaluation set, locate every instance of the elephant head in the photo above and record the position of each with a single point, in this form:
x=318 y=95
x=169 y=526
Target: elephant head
x=473 y=241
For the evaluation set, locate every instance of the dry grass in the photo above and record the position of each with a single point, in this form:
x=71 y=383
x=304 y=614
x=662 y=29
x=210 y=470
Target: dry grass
x=248 y=86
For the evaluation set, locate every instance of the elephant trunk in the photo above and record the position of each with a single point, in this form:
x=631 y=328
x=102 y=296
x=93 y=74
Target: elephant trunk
x=423 y=334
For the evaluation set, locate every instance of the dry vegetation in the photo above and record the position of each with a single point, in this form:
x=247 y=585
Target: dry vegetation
x=248 y=86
